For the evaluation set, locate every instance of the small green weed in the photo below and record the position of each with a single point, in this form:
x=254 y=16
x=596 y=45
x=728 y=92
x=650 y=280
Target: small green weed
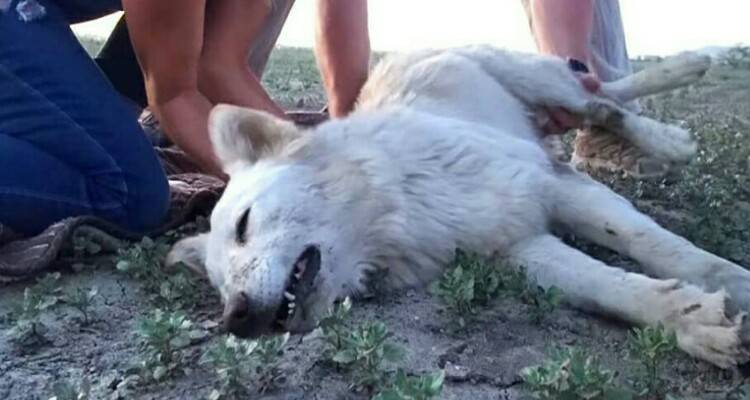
x=231 y=359
x=36 y=300
x=542 y=301
x=475 y=282
x=268 y=375
x=406 y=387
x=163 y=336
x=333 y=328
x=572 y=374
x=65 y=390
x=651 y=346
x=471 y=284
x=173 y=288
x=81 y=299
x=238 y=361
x=83 y=246
x=364 y=350
x=89 y=244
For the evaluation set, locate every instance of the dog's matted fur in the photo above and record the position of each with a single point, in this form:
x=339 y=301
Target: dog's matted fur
x=441 y=153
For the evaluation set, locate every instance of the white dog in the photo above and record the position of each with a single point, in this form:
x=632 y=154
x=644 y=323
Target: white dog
x=441 y=154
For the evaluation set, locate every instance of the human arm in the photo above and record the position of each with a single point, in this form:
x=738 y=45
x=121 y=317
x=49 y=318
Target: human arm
x=167 y=36
x=563 y=28
x=342 y=47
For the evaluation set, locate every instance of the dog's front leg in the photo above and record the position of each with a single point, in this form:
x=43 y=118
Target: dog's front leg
x=698 y=318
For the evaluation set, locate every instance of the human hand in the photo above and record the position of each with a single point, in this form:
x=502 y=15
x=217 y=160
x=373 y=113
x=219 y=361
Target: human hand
x=556 y=120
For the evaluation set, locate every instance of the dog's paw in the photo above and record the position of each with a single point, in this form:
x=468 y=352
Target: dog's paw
x=705 y=331
x=680 y=144
x=720 y=345
x=683 y=69
x=664 y=141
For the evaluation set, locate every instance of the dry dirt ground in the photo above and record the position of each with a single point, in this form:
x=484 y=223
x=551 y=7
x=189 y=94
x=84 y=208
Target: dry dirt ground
x=709 y=202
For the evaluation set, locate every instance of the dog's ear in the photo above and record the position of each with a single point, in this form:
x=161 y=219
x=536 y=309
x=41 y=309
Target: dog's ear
x=191 y=252
x=241 y=136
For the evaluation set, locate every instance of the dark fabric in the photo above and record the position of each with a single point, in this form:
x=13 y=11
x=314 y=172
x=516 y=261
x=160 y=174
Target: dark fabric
x=192 y=195
x=69 y=144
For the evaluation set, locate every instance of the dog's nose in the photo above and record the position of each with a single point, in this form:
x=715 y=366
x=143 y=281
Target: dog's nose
x=237 y=314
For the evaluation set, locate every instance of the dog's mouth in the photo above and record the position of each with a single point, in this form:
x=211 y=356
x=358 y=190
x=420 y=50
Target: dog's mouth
x=299 y=286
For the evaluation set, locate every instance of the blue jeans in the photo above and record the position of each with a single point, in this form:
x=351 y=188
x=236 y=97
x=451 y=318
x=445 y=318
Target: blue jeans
x=69 y=144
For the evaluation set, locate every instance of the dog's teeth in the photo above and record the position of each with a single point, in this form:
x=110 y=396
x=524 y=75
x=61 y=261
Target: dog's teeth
x=291 y=305
x=289 y=296
x=291 y=311
x=298 y=275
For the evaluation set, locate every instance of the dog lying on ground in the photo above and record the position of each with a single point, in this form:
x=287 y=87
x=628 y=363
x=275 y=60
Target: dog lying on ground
x=440 y=154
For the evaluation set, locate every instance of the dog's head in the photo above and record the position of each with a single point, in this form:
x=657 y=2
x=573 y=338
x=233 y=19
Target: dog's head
x=281 y=248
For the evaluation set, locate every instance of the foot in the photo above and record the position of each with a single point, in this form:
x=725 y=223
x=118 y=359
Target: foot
x=702 y=325
x=599 y=149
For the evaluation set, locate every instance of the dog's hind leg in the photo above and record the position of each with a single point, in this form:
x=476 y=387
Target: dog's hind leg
x=593 y=211
x=697 y=318
x=663 y=141
x=540 y=81
x=531 y=77
x=671 y=73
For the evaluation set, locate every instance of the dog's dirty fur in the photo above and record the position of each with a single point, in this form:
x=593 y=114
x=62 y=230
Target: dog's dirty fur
x=441 y=154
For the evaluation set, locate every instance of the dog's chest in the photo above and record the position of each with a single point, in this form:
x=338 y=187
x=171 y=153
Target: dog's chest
x=464 y=184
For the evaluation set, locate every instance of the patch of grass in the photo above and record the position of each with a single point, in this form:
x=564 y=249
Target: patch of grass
x=474 y=282
x=174 y=288
x=651 y=346
x=37 y=299
x=365 y=349
x=541 y=301
x=163 y=335
x=333 y=328
x=81 y=299
x=232 y=360
x=737 y=57
x=572 y=374
x=293 y=80
x=238 y=361
x=66 y=390
x=406 y=387
x=268 y=375
x=84 y=246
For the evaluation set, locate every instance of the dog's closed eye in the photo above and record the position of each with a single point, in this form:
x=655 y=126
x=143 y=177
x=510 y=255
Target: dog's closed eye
x=240 y=234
